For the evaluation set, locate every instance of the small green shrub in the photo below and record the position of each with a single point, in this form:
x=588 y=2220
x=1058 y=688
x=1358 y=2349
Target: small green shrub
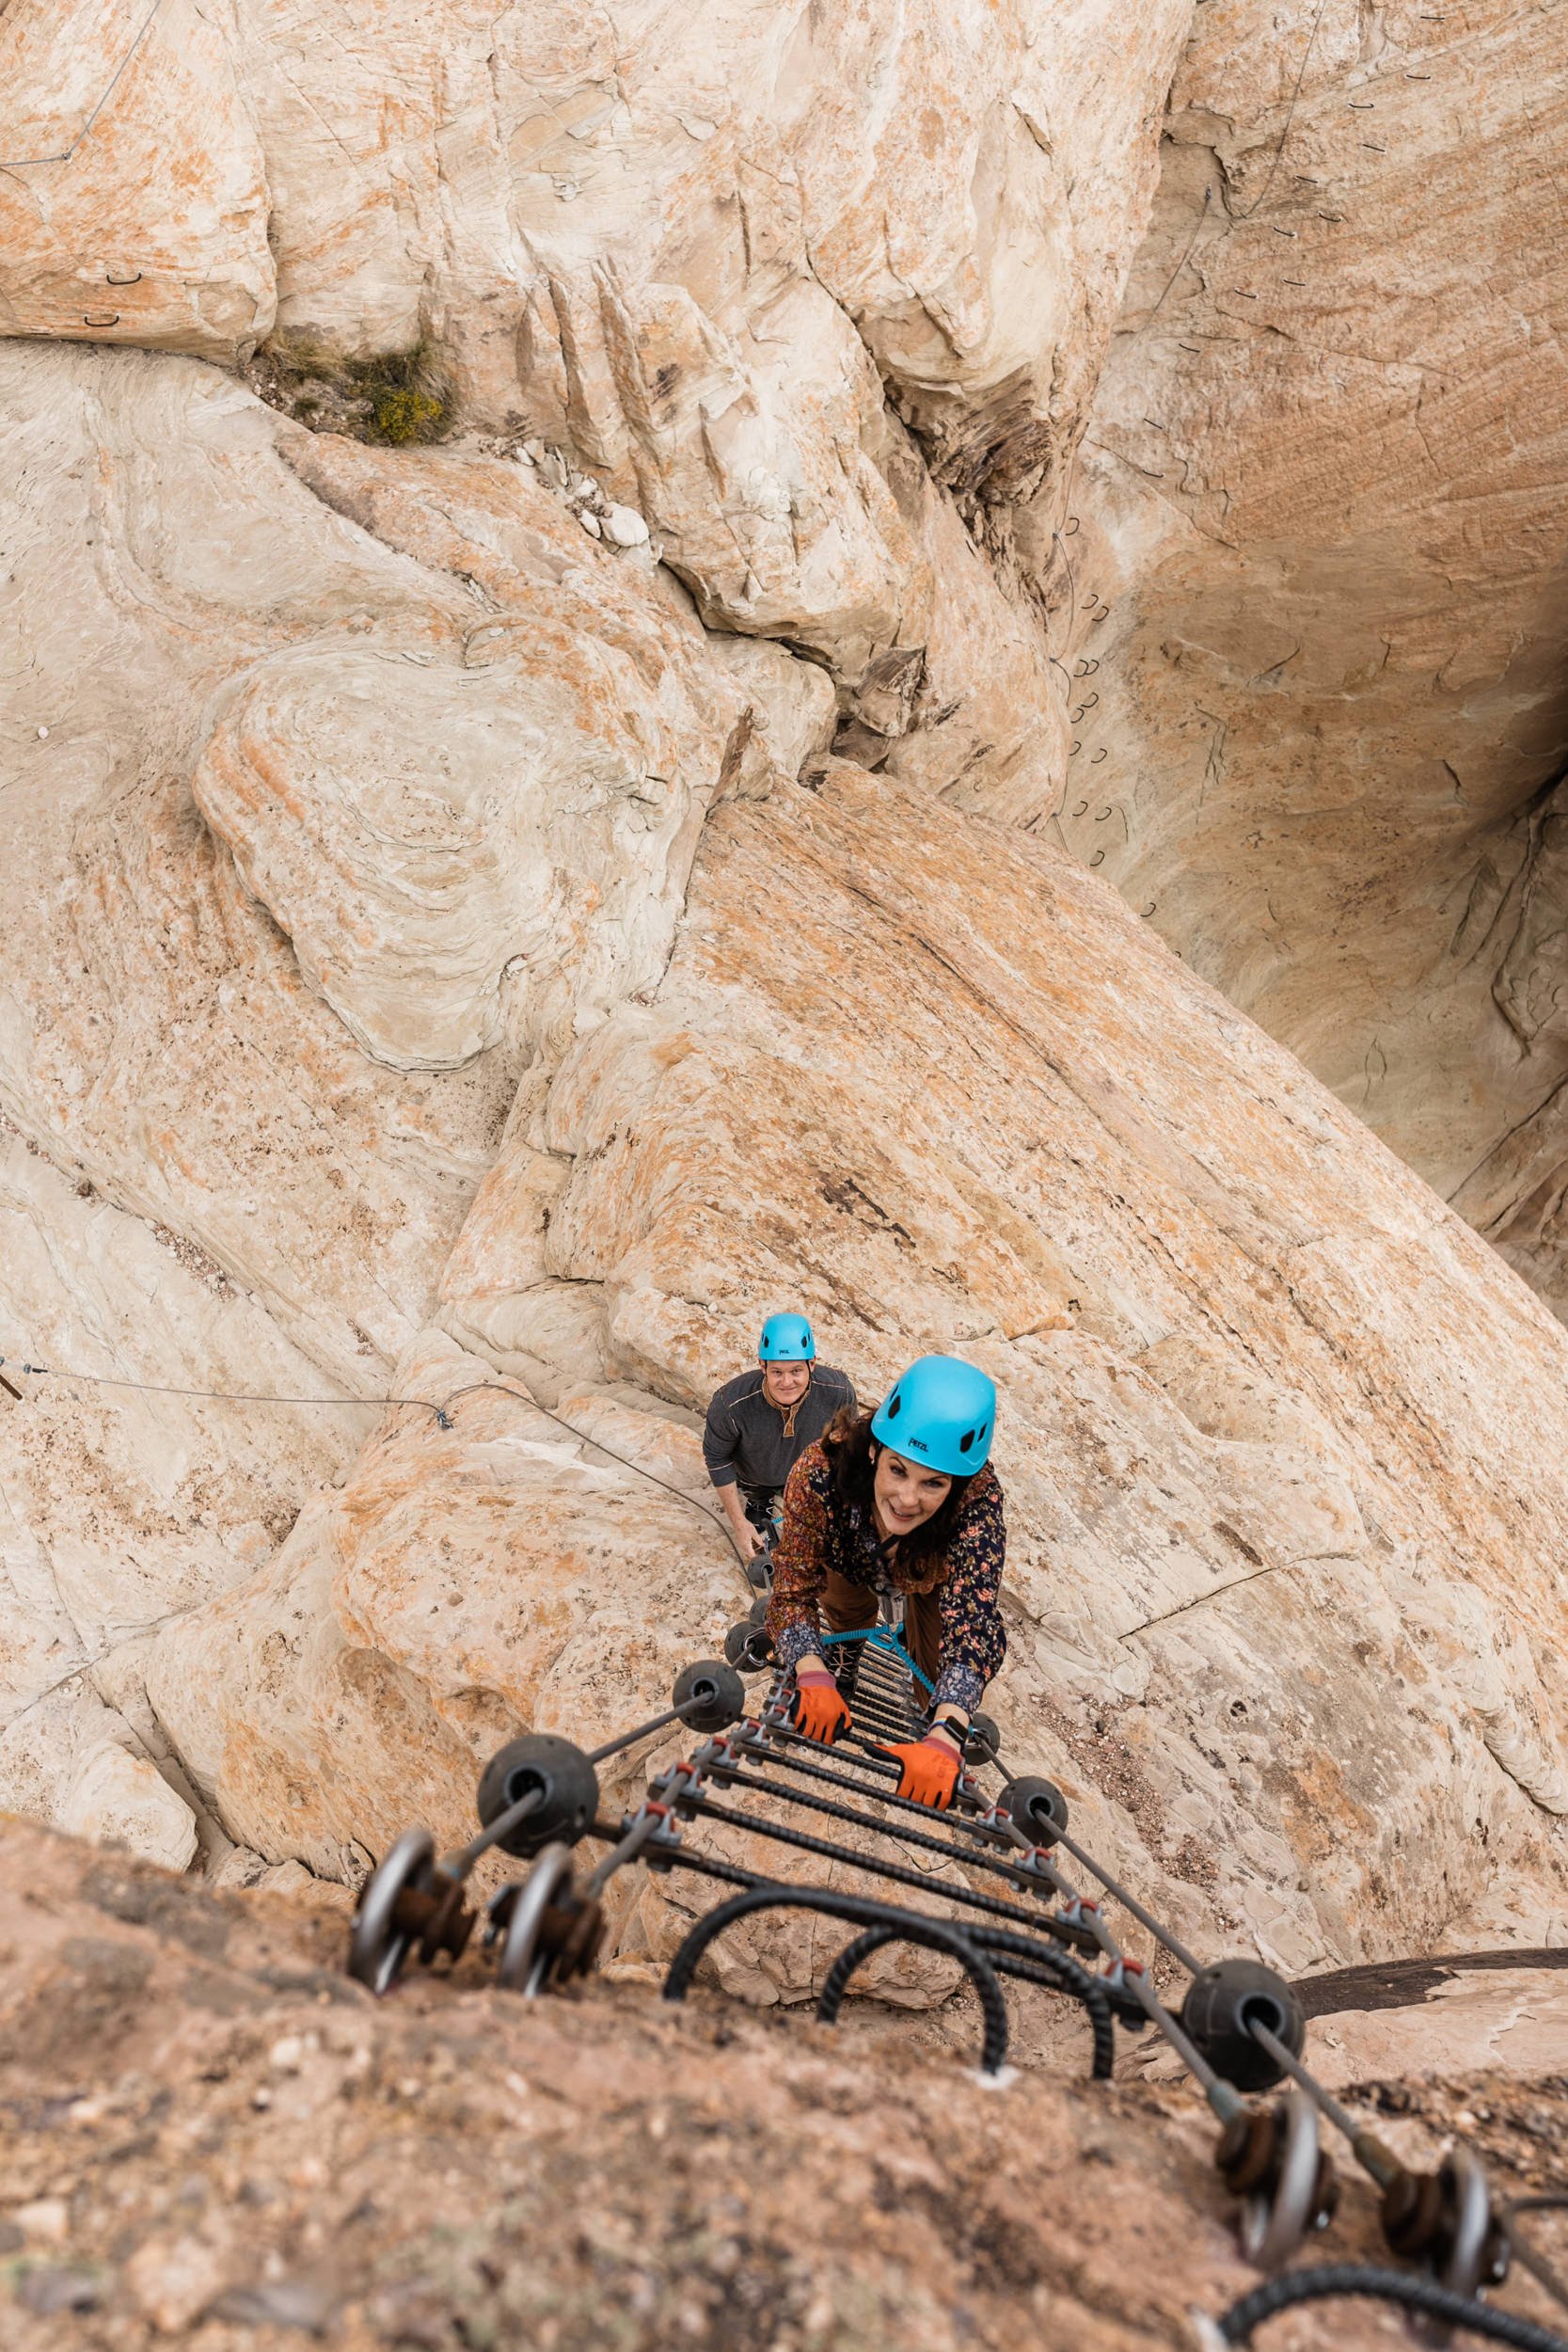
x=396 y=398
x=398 y=416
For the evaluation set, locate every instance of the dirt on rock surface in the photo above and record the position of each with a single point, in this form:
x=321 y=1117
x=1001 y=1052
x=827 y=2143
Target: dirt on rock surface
x=213 y=2139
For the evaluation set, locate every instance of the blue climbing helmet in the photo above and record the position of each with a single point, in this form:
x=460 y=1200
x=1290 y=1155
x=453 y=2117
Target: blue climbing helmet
x=940 y=1415
x=785 y=1339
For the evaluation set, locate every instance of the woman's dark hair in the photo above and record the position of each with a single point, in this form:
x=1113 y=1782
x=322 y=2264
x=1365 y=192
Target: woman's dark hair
x=851 y=1451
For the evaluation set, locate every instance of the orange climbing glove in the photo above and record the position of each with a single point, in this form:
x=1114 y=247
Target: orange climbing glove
x=927 y=1770
x=820 y=1710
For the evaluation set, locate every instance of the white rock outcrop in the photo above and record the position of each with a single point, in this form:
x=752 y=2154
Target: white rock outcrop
x=206 y=1182
x=134 y=195
x=116 y=1798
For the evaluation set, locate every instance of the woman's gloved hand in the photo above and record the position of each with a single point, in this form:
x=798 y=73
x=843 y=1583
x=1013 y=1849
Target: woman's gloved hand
x=818 y=1707
x=927 y=1769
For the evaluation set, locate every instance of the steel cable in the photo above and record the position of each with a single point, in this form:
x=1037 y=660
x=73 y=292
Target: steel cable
x=219 y=1396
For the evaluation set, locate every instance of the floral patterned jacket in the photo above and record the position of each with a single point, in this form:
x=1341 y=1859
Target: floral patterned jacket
x=823 y=1532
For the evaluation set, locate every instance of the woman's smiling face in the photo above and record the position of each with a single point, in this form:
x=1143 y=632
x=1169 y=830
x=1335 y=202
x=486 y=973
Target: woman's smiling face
x=904 y=1494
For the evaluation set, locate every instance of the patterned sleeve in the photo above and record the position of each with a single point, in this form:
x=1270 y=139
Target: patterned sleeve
x=800 y=1559
x=972 y=1641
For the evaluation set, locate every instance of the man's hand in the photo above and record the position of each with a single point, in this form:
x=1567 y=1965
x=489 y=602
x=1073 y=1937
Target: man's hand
x=746 y=1538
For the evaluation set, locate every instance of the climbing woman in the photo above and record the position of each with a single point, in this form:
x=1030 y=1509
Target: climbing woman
x=899 y=1501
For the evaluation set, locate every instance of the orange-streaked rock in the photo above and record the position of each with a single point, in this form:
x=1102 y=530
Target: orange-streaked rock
x=133 y=196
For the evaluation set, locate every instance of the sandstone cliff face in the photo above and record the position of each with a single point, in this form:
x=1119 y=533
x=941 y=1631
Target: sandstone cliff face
x=721 y=272
x=1322 y=516
x=445 y=961
x=1269 y=1563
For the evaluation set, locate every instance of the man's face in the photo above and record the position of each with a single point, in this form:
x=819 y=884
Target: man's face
x=786 y=1384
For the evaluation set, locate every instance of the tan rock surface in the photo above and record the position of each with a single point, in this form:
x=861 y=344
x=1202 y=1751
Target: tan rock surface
x=1280 y=1614
x=1323 y=512
x=118 y=1798
x=703 y=269
x=133 y=199
x=959 y=184
x=1516 y=2021
x=357 y=961
x=507 y=814
x=205 y=1183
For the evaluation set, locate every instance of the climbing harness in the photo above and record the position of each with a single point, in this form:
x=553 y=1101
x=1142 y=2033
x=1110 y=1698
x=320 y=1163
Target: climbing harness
x=994 y=1862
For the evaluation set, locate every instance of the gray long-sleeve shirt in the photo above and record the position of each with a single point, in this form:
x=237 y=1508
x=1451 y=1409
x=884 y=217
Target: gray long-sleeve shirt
x=744 y=1440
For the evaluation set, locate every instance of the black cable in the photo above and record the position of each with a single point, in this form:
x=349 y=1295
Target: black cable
x=1289 y=117
x=680 y=1858
x=894 y=1730
x=789 y=1761
x=631 y=1845
x=443 y=1419
x=1208 y=199
x=219 y=1396
x=778 y=1894
x=846 y=1747
x=981 y=1975
x=499 y=1388
x=1388 y=2286
x=1024 y=1955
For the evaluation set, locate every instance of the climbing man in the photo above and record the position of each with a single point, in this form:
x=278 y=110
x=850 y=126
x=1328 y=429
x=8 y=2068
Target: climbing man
x=760 y=1424
x=899 y=1501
